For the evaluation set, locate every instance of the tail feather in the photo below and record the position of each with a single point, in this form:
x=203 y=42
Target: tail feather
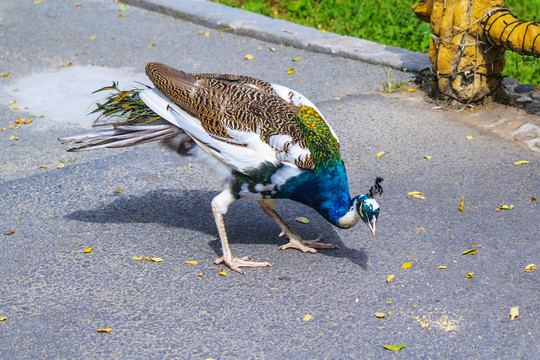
x=120 y=136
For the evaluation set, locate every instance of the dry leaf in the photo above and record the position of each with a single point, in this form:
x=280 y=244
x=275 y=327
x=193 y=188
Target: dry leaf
x=307 y=317
x=461 y=206
x=514 y=312
x=530 y=267
x=136 y=258
x=394 y=347
x=427 y=157
x=12 y=102
x=88 y=250
x=521 y=162
x=390 y=278
x=380 y=315
x=381 y=153
x=470 y=252
x=424 y=325
x=417 y=195
x=406 y=265
x=290 y=71
x=249 y=57
x=470 y=275
x=443 y=267
x=222 y=272
x=104 y=330
x=302 y=220
x=191 y=262
x=155 y=259
x=12 y=231
x=532 y=199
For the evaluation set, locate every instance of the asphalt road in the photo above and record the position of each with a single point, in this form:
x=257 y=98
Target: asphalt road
x=54 y=297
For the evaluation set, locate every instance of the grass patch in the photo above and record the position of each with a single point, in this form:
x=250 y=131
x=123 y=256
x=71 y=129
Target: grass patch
x=388 y=22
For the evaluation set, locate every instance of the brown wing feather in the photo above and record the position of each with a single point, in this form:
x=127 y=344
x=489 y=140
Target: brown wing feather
x=237 y=102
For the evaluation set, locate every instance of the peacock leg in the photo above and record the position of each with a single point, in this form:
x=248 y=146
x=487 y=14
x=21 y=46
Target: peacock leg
x=220 y=204
x=295 y=241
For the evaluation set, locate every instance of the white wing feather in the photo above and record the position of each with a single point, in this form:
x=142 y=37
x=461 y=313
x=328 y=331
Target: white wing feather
x=251 y=153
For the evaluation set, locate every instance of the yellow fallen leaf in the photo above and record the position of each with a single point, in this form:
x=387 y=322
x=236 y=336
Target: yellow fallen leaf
x=514 y=312
x=417 y=195
x=3 y=318
x=154 y=259
x=296 y=59
x=530 y=267
x=290 y=71
x=12 y=102
x=307 y=317
x=468 y=137
x=424 y=325
x=427 y=157
x=88 y=250
x=389 y=278
x=104 y=330
x=389 y=313
x=470 y=275
x=38 y=1
x=259 y=48
x=443 y=267
x=272 y=49
x=532 y=199
x=461 y=206
x=136 y=258
x=5 y=75
x=389 y=302
x=381 y=153
x=506 y=207
x=380 y=315
x=394 y=347
x=521 y=162
x=93 y=37
x=470 y=252
x=28 y=121
x=69 y=63
x=207 y=34
x=13 y=138
x=201 y=274
x=302 y=220
x=406 y=265
x=191 y=262
x=411 y=90
x=249 y=57
x=15 y=108
x=222 y=272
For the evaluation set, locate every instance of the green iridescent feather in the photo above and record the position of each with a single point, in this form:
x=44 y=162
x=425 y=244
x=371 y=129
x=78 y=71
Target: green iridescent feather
x=320 y=141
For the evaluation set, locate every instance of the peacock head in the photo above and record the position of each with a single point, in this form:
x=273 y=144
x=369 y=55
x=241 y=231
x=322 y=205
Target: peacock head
x=368 y=208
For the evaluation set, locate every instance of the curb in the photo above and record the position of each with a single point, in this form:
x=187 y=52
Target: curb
x=245 y=23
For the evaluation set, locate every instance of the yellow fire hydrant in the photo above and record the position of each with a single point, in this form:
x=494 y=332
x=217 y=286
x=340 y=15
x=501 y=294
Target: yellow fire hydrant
x=468 y=44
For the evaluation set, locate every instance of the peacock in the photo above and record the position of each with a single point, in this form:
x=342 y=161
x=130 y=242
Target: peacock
x=263 y=140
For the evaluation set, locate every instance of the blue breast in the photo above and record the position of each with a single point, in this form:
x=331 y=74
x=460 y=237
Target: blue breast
x=326 y=190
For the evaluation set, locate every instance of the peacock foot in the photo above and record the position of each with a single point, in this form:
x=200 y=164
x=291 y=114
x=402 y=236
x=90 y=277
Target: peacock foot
x=236 y=263
x=307 y=245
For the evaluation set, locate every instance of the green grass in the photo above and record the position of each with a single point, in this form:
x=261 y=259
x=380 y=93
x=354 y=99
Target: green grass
x=389 y=22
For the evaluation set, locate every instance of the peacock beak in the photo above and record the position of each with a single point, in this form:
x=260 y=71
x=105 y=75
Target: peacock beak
x=371 y=226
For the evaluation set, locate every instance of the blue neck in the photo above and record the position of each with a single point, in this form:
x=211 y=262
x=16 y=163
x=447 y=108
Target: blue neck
x=326 y=190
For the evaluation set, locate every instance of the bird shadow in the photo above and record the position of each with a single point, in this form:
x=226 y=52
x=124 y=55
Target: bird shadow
x=191 y=209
